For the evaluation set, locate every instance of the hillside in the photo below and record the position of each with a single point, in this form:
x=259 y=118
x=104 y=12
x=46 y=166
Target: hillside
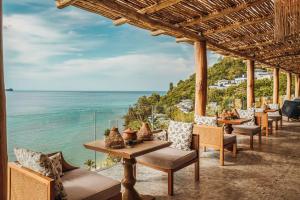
x=226 y=68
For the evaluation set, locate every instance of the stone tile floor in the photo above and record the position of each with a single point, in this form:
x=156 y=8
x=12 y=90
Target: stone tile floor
x=271 y=171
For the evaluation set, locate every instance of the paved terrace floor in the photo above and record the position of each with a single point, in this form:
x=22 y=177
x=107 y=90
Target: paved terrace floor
x=271 y=171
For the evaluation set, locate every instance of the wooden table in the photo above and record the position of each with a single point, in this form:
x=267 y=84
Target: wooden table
x=129 y=155
x=229 y=122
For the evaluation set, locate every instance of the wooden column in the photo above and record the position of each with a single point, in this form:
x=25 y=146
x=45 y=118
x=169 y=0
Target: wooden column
x=3 y=142
x=288 y=85
x=297 y=85
x=250 y=83
x=201 y=78
x=276 y=85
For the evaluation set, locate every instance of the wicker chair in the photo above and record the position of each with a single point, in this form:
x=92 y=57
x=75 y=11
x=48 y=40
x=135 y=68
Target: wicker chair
x=275 y=116
x=170 y=160
x=249 y=130
x=25 y=184
x=214 y=137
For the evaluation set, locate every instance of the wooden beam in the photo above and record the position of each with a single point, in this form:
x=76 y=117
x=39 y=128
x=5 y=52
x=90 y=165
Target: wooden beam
x=288 y=85
x=3 y=138
x=157 y=32
x=247 y=37
x=250 y=83
x=238 y=25
x=183 y=39
x=201 y=78
x=281 y=56
x=152 y=24
x=276 y=85
x=220 y=13
x=149 y=10
x=64 y=3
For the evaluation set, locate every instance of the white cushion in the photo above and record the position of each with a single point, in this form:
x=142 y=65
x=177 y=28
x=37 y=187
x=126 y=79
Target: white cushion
x=180 y=134
x=208 y=121
x=274 y=106
x=41 y=163
x=248 y=114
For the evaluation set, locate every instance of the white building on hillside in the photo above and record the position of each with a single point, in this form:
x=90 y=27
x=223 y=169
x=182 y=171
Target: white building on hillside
x=261 y=74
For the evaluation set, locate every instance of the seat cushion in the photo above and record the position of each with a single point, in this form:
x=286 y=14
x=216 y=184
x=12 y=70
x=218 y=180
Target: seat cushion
x=229 y=138
x=275 y=117
x=245 y=129
x=168 y=158
x=82 y=184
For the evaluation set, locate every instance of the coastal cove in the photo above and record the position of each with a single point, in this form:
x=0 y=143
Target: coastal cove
x=49 y=121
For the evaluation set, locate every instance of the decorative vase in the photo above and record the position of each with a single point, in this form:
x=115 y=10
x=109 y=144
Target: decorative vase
x=145 y=132
x=114 y=139
x=129 y=135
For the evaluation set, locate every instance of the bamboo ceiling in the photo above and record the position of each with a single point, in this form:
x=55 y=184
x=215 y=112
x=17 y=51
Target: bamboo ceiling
x=241 y=28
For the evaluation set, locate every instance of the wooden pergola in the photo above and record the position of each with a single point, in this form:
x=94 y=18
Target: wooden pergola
x=238 y=28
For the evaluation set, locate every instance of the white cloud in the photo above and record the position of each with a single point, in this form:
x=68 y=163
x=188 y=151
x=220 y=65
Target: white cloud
x=34 y=40
x=126 y=72
x=48 y=50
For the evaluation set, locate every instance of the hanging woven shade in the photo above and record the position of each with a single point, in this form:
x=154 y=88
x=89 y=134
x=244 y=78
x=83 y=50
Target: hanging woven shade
x=145 y=132
x=287 y=18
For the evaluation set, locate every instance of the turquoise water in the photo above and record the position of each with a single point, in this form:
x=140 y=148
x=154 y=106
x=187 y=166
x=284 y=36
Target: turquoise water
x=63 y=121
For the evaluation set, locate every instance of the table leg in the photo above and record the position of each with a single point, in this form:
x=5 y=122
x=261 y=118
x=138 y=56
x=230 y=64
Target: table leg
x=228 y=128
x=129 y=181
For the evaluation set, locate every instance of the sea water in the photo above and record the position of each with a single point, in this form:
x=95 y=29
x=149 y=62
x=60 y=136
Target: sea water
x=64 y=121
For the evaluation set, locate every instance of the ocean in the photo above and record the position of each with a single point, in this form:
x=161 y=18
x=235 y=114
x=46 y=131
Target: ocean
x=64 y=121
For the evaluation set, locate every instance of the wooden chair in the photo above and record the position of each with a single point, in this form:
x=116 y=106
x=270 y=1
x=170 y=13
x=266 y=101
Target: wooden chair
x=214 y=137
x=249 y=130
x=275 y=116
x=170 y=160
x=265 y=123
x=25 y=184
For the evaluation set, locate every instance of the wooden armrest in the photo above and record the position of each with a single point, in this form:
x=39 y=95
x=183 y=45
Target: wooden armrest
x=24 y=183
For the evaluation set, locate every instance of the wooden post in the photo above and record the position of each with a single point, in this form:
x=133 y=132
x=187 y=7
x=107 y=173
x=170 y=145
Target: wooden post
x=276 y=85
x=297 y=85
x=3 y=142
x=288 y=85
x=201 y=78
x=250 y=83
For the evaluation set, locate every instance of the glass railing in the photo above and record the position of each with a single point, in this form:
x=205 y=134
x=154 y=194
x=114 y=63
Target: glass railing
x=64 y=131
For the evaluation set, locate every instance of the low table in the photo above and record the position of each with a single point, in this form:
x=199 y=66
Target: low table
x=229 y=122
x=129 y=155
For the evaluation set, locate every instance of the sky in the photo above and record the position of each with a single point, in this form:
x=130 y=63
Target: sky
x=46 y=48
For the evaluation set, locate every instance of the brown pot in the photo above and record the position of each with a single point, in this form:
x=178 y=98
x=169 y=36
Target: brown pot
x=129 y=134
x=145 y=132
x=114 y=139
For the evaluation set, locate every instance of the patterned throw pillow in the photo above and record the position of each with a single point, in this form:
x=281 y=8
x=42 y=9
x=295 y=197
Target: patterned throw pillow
x=160 y=136
x=56 y=160
x=40 y=163
x=248 y=114
x=208 y=121
x=274 y=107
x=180 y=134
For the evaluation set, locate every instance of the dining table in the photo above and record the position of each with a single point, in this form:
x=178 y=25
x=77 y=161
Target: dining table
x=128 y=155
x=229 y=122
